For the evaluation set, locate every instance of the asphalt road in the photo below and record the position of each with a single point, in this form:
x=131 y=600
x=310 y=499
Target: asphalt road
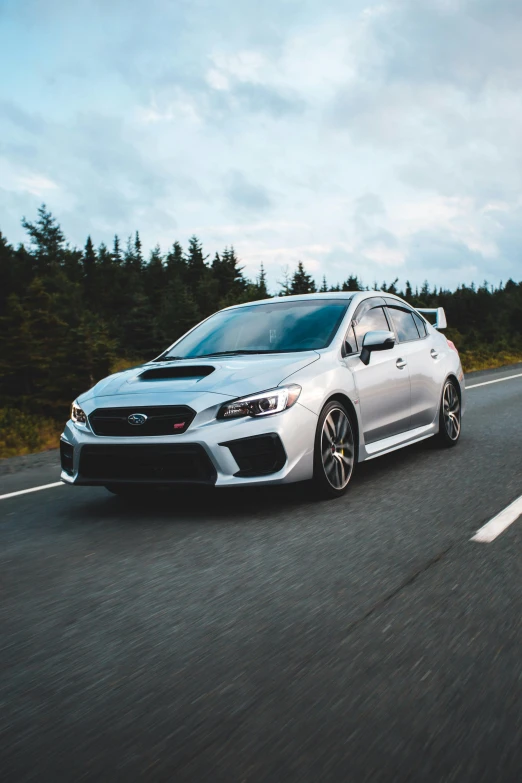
x=261 y=636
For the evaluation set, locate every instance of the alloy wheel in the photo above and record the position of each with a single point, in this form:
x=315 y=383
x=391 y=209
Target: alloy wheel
x=337 y=448
x=451 y=411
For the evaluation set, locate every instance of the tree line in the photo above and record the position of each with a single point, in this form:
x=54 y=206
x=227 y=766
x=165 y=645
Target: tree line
x=68 y=317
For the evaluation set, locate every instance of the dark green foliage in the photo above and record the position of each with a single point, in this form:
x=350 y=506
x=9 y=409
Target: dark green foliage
x=116 y=251
x=262 y=289
x=89 y=270
x=67 y=316
x=47 y=239
x=302 y=282
x=196 y=269
x=285 y=283
x=352 y=284
x=7 y=272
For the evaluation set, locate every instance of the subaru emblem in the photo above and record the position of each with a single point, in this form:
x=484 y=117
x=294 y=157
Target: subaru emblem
x=137 y=418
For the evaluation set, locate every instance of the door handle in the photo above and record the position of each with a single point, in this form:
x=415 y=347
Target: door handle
x=401 y=364
x=433 y=353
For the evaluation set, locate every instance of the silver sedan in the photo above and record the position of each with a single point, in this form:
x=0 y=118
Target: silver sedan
x=287 y=389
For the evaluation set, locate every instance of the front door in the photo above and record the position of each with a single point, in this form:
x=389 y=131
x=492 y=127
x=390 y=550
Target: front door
x=383 y=385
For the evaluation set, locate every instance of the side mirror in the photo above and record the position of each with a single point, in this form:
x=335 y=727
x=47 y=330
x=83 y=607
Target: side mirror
x=376 y=341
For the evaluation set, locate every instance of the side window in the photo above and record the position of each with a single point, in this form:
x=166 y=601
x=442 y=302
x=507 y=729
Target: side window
x=404 y=324
x=421 y=326
x=373 y=320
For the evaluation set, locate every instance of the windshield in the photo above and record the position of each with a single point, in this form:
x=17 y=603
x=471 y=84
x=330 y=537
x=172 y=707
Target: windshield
x=275 y=327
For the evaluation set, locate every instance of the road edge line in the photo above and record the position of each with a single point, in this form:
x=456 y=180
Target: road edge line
x=495 y=380
x=32 y=489
x=499 y=523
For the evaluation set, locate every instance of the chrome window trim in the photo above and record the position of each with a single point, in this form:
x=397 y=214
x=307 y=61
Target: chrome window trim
x=399 y=306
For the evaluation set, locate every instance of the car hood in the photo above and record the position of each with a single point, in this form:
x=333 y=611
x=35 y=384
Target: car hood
x=233 y=376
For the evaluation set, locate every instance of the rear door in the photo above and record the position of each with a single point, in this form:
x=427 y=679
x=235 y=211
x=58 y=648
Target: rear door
x=425 y=368
x=384 y=384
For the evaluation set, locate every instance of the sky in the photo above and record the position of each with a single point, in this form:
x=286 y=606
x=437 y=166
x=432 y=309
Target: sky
x=376 y=139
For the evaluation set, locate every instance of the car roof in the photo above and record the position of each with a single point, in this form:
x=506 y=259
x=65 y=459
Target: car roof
x=358 y=296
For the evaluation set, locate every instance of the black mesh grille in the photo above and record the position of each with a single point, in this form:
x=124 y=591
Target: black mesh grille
x=66 y=457
x=259 y=455
x=166 y=420
x=168 y=464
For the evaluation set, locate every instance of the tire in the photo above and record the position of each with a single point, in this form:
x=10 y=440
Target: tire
x=450 y=415
x=334 y=451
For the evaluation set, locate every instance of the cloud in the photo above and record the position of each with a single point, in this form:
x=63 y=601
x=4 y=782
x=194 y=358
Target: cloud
x=368 y=138
x=23 y=120
x=246 y=195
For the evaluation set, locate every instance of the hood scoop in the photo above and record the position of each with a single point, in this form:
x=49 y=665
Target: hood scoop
x=193 y=372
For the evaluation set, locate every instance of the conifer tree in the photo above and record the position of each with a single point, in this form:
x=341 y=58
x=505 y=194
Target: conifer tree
x=302 y=282
x=7 y=282
x=196 y=266
x=262 y=290
x=89 y=270
x=47 y=238
x=352 y=284
x=116 y=251
x=176 y=264
x=231 y=285
x=154 y=278
x=138 y=257
x=285 y=283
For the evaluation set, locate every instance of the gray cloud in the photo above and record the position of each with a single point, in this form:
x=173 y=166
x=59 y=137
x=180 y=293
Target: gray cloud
x=245 y=195
x=465 y=44
x=258 y=98
x=369 y=204
x=439 y=251
x=21 y=119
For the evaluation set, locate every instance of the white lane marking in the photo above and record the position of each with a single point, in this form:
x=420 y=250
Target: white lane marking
x=498 y=524
x=33 y=489
x=497 y=380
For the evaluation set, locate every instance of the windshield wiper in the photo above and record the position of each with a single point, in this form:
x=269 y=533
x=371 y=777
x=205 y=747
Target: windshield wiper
x=207 y=355
x=228 y=353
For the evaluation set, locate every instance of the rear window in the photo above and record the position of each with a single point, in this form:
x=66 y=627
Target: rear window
x=404 y=324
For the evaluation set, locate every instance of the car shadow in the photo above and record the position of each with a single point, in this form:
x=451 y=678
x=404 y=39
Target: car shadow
x=206 y=504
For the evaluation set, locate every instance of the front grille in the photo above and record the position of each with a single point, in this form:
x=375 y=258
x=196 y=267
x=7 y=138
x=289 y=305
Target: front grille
x=259 y=455
x=160 y=420
x=66 y=457
x=159 y=464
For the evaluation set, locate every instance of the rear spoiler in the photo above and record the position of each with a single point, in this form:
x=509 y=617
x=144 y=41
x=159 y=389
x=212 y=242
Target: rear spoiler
x=440 y=315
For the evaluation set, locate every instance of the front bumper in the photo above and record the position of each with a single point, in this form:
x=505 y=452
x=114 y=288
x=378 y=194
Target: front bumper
x=266 y=450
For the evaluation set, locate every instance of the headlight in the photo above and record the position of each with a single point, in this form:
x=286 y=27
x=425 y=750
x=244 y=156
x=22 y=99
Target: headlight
x=263 y=404
x=77 y=415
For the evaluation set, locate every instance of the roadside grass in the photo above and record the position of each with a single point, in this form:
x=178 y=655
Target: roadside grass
x=484 y=360
x=24 y=433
